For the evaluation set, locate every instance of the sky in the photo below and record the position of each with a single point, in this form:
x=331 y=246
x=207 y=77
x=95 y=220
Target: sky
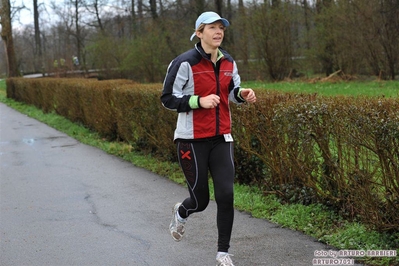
x=25 y=16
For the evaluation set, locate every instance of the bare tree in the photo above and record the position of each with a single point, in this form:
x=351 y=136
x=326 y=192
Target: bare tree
x=219 y=7
x=140 y=10
x=241 y=38
x=388 y=33
x=133 y=19
x=324 y=23
x=357 y=37
x=7 y=37
x=153 y=9
x=3 y=67
x=38 y=50
x=199 y=6
x=78 y=36
x=306 y=11
x=96 y=11
x=271 y=32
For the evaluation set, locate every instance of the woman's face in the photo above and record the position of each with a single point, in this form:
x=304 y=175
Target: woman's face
x=212 y=35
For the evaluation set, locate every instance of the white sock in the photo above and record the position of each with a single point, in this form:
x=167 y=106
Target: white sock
x=182 y=220
x=221 y=254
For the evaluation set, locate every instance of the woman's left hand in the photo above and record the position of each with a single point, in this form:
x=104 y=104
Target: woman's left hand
x=248 y=95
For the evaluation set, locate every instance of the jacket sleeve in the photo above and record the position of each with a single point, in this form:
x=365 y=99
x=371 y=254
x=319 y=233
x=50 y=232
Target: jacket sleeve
x=234 y=94
x=173 y=95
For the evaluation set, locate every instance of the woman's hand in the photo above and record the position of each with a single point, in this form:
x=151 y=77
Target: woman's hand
x=210 y=101
x=248 y=95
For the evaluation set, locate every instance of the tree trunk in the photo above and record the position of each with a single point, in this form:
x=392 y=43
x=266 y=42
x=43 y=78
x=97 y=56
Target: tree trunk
x=80 y=55
x=153 y=9
x=6 y=35
x=96 y=10
x=219 y=7
x=133 y=20
x=140 y=10
x=199 y=7
x=324 y=22
x=307 y=23
x=37 y=29
x=39 y=63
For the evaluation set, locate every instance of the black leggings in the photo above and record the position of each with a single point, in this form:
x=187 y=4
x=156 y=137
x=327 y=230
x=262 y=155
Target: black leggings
x=196 y=158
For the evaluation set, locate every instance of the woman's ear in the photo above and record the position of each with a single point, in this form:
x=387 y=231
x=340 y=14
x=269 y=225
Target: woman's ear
x=198 y=34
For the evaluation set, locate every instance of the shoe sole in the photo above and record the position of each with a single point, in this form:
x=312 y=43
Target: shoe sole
x=175 y=235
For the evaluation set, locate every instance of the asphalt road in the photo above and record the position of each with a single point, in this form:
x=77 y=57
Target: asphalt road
x=66 y=203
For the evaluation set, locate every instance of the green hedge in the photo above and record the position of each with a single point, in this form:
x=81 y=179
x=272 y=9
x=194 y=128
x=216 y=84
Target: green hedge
x=339 y=151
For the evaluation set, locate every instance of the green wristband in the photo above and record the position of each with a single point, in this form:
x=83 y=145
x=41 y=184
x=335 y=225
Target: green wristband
x=194 y=102
x=239 y=94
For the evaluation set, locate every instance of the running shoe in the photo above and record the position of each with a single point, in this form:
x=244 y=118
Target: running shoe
x=224 y=260
x=176 y=226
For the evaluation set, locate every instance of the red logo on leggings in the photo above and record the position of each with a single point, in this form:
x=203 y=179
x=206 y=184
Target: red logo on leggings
x=185 y=154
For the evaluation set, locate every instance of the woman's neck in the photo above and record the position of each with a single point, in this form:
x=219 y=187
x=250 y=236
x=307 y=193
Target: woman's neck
x=212 y=51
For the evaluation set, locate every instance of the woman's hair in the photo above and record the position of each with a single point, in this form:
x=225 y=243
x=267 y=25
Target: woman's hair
x=202 y=26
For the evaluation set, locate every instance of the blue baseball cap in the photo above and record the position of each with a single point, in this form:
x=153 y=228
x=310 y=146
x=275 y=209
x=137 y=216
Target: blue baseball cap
x=208 y=18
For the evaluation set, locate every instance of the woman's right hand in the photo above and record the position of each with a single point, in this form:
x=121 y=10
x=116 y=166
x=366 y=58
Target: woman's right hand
x=210 y=101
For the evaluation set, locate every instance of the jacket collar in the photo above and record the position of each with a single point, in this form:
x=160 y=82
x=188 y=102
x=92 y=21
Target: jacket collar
x=199 y=48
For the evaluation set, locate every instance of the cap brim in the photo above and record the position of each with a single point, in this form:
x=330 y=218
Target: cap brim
x=224 y=21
